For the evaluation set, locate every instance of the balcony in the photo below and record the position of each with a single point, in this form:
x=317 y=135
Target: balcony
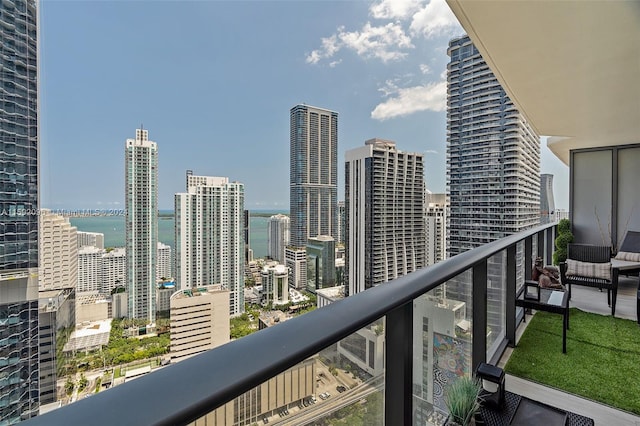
x=483 y=281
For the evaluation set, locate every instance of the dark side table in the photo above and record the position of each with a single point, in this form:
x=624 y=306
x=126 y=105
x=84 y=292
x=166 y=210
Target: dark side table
x=554 y=301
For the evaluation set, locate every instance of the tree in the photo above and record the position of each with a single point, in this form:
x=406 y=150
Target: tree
x=82 y=383
x=69 y=386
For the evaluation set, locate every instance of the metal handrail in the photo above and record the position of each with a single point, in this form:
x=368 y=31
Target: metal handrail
x=183 y=392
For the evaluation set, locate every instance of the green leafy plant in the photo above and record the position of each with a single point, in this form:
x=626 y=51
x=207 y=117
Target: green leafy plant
x=462 y=400
x=564 y=238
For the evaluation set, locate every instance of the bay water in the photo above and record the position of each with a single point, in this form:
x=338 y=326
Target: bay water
x=113 y=228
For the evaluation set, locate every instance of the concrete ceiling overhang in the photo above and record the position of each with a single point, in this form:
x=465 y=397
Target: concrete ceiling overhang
x=572 y=67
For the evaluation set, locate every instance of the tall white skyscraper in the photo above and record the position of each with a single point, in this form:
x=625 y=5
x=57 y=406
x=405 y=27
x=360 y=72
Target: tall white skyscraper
x=164 y=265
x=58 y=252
x=19 y=193
x=436 y=217
x=209 y=236
x=141 y=189
x=278 y=237
x=493 y=155
x=313 y=181
x=547 y=202
x=385 y=225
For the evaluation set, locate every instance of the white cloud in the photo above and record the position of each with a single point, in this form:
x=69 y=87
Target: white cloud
x=405 y=101
x=430 y=151
x=424 y=68
x=435 y=19
x=380 y=42
x=330 y=46
x=334 y=63
x=392 y=9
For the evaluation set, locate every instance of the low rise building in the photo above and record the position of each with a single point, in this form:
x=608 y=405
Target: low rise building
x=199 y=320
x=271 y=318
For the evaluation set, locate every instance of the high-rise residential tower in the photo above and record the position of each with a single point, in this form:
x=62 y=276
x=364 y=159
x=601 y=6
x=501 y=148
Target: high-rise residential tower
x=209 y=236
x=19 y=203
x=493 y=155
x=313 y=180
x=165 y=262
x=141 y=189
x=436 y=216
x=278 y=236
x=547 y=202
x=58 y=252
x=385 y=226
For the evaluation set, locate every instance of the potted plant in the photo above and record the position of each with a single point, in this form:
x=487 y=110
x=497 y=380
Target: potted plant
x=462 y=401
x=565 y=236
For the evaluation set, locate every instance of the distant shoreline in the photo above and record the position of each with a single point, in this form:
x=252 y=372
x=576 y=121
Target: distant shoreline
x=164 y=214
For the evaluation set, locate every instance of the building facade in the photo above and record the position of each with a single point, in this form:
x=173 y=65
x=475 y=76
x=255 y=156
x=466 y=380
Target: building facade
x=275 y=284
x=141 y=218
x=321 y=262
x=313 y=177
x=165 y=262
x=89 y=269
x=57 y=319
x=246 y=232
x=296 y=262
x=209 y=236
x=19 y=203
x=199 y=320
x=342 y=222
x=58 y=252
x=278 y=239
x=493 y=155
x=95 y=239
x=436 y=217
x=547 y=202
x=286 y=390
x=113 y=269
x=385 y=226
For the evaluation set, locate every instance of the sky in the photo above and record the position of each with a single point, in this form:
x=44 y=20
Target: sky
x=213 y=83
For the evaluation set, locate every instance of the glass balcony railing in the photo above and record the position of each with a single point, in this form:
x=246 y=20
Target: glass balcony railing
x=383 y=356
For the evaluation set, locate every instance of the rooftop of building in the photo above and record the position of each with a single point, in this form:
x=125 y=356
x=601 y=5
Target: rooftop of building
x=198 y=291
x=89 y=298
x=277 y=268
x=274 y=317
x=332 y=293
x=89 y=335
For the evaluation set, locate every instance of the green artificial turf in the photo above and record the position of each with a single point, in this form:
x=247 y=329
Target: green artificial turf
x=602 y=362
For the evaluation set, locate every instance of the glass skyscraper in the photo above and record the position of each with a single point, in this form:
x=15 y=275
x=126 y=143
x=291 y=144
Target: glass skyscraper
x=314 y=174
x=19 y=195
x=313 y=181
x=141 y=180
x=493 y=155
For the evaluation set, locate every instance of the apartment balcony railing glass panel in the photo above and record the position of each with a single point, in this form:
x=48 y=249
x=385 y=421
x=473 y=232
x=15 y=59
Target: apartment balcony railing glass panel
x=404 y=341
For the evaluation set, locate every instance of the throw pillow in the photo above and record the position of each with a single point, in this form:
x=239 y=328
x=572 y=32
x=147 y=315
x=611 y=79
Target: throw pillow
x=628 y=256
x=588 y=269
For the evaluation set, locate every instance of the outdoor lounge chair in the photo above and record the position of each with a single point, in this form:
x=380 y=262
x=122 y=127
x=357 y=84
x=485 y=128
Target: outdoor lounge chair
x=630 y=251
x=590 y=265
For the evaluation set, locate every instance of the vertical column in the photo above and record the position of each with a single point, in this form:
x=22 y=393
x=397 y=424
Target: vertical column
x=399 y=366
x=479 y=297
x=510 y=310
